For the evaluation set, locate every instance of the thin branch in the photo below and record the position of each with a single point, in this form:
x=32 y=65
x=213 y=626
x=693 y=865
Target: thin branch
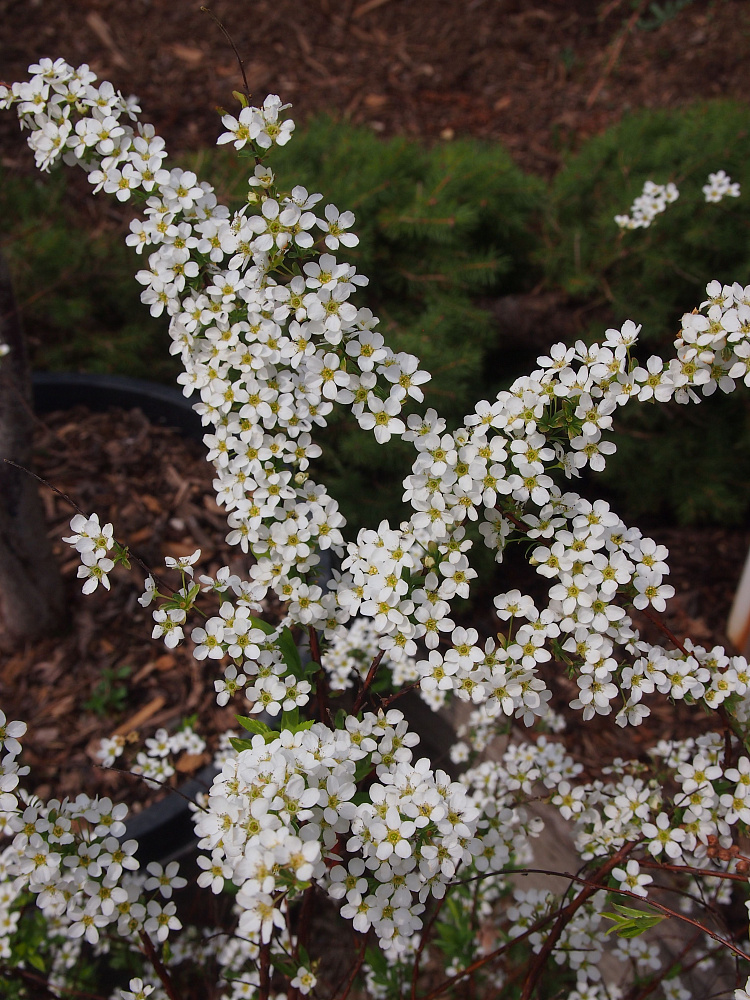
x=41 y=986
x=398 y=694
x=207 y=10
x=593 y=886
x=688 y=870
x=355 y=969
x=652 y=617
x=368 y=682
x=159 y=968
x=660 y=976
x=426 y=931
x=164 y=782
x=589 y=888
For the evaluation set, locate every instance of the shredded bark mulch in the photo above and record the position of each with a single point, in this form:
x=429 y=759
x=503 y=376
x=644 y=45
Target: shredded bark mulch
x=154 y=485
x=539 y=77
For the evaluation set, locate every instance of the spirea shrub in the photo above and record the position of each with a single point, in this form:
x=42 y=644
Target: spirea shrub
x=325 y=796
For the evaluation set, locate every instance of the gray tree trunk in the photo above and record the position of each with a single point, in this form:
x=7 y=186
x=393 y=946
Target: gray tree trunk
x=31 y=593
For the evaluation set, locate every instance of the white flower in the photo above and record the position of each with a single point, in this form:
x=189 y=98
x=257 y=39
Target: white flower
x=164 y=879
x=184 y=563
x=161 y=920
x=94 y=570
x=632 y=879
x=136 y=990
x=335 y=225
x=304 y=981
x=169 y=625
x=382 y=418
x=662 y=838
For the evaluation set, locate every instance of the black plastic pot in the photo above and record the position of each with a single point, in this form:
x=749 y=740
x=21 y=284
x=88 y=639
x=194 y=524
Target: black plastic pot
x=160 y=403
x=164 y=831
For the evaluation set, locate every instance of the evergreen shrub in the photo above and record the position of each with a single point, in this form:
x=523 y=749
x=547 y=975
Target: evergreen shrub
x=72 y=278
x=692 y=467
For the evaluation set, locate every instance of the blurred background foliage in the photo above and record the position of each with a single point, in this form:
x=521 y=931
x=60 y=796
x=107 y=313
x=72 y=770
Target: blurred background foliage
x=447 y=232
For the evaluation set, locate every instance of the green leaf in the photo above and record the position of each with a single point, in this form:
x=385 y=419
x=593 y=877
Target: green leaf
x=290 y=720
x=240 y=745
x=282 y=963
x=362 y=769
x=254 y=726
x=630 y=923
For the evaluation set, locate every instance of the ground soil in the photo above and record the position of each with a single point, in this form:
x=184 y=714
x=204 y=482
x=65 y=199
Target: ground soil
x=155 y=486
x=540 y=75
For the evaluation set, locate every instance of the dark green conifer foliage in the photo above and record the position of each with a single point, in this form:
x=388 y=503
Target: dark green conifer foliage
x=685 y=462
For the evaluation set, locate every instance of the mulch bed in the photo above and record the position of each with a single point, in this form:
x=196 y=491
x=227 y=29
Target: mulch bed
x=154 y=485
x=538 y=76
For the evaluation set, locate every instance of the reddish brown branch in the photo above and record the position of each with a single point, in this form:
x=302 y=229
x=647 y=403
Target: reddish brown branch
x=654 y=618
x=368 y=682
x=355 y=969
x=589 y=888
x=264 y=967
x=426 y=931
x=159 y=968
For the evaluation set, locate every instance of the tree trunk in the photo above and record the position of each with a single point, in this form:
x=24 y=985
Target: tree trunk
x=31 y=593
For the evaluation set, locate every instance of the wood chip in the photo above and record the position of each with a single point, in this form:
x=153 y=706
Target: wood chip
x=101 y=29
x=365 y=8
x=191 y=762
x=141 y=716
x=187 y=53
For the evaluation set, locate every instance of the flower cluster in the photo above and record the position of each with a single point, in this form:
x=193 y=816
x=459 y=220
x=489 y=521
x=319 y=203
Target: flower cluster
x=720 y=186
x=650 y=203
x=655 y=198
x=92 y=541
x=281 y=811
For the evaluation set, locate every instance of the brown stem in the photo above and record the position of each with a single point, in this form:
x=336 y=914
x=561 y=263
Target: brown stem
x=355 y=969
x=321 y=679
x=398 y=694
x=652 y=617
x=447 y=983
x=159 y=968
x=265 y=971
x=521 y=525
x=687 y=870
x=589 y=888
x=426 y=931
x=368 y=682
x=207 y=10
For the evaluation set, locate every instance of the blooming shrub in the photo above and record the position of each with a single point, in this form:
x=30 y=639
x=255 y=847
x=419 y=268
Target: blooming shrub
x=331 y=806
